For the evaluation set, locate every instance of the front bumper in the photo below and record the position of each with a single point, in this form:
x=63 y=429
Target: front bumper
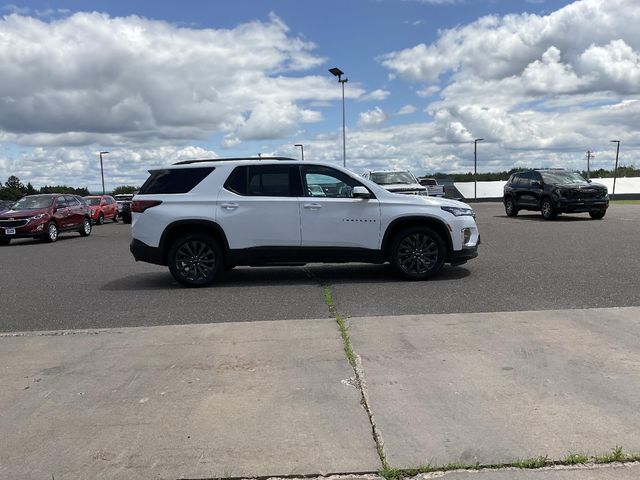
x=144 y=253
x=458 y=257
x=25 y=232
x=581 y=206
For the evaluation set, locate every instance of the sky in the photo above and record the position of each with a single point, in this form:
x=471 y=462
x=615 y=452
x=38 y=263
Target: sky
x=152 y=83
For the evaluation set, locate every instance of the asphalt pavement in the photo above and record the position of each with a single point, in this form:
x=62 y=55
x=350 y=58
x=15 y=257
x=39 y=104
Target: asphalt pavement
x=524 y=263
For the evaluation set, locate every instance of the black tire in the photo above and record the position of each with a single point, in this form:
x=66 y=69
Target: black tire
x=5 y=241
x=115 y=218
x=547 y=209
x=598 y=214
x=510 y=207
x=126 y=218
x=195 y=260
x=52 y=233
x=101 y=219
x=417 y=253
x=85 y=227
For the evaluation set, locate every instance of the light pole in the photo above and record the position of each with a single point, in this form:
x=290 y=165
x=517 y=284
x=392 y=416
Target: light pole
x=102 y=170
x=475 y=167
x=301 y=148
x=338 y=73
x=615 y=170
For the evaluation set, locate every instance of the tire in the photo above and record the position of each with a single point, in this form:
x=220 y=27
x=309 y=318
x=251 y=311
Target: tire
x=5 y=241
x=85 y=227
x=510 y=207
x=417 y=253
x=115 y=218
x=126 y=219
x=52 y=233
x=195 y=260
x=101 y=219
x=598 y=214
x=547 y=209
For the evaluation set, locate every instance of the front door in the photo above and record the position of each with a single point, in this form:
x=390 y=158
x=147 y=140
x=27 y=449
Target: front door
x=331 y=217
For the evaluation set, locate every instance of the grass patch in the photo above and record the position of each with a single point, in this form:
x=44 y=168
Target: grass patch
x=532 y=463
x=626 y=202
x=575 y=459
x=616 y=455
x=346 y=341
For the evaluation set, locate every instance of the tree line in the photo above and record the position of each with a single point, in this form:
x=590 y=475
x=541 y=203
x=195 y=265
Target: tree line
x=623 y=171
x=13 y=189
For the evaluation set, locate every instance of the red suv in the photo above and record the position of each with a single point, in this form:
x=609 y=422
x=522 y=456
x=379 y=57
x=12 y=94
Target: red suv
x=103 y=207
x=45 y=216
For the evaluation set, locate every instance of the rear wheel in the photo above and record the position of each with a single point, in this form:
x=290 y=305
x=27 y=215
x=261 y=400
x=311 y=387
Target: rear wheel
x=510 y=207
x=85 y=227
x=195 y=260
x=597 y=214
x=52 y=233
x=548 y=210
x=417 y=253
x=115 y=218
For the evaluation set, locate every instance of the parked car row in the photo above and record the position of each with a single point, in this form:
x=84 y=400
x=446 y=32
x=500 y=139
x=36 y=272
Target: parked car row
x=45 y=216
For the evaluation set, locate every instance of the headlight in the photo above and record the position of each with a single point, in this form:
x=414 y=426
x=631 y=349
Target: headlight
x=38 y=217
x=459 y=211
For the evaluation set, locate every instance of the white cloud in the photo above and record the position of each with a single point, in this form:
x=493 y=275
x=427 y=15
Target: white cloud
x=378 y=94
x=372 y=118
x=90 y=78
x=406 y=110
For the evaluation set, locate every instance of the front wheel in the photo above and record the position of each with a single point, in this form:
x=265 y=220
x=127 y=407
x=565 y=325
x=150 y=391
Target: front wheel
x=115 y=218
x=510 y=207
x=195 y=260
x=85 y=228
x=101 y=219
x=548 y=210
x=52 y=233
x=597 y=214
x=417 y=253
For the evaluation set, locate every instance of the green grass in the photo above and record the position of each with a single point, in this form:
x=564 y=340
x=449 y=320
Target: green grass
x=532 y=463
x=626 y=202
x=616 y=455
x=575 y=459
x=348 y=350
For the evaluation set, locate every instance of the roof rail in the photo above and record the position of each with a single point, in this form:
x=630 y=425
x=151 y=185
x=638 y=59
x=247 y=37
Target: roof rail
x=189 y=162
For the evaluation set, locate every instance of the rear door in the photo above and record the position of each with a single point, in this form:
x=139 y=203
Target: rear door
x=258 y=206
x=61 y=212
x=75 y=215
x=525 y=198
x=331 y=217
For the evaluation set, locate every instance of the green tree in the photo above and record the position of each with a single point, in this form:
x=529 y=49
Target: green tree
x=124 y=189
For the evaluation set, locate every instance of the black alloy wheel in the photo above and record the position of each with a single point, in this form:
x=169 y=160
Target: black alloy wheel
x=85 y=227
x=548 y=210
x=195 y=260
x=510 y=207
x=418 y=253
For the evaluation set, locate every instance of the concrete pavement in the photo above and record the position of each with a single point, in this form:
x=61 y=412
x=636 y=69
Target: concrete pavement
x=279 y=398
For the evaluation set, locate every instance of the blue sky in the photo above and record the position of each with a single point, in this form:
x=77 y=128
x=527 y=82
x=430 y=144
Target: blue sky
x=542 y=81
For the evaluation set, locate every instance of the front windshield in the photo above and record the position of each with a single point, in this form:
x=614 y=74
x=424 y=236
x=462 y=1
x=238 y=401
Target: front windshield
x=390 y=178
x=562 y=178
x=93 y=201
x=32 y=203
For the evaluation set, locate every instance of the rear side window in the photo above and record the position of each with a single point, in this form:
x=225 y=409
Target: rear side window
x=179 y=180
x=265 y=181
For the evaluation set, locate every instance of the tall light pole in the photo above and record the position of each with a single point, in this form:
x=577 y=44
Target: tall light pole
x=301 y=148
x=615 y=170
x=475 y=167
x=102 y=170
x=589 y=157
x=338 y=73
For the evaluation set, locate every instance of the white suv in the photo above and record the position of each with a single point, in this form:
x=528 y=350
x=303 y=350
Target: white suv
x=397 y=181
x=202 y=217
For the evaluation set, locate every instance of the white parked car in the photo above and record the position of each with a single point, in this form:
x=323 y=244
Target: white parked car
x=201 y=218
x=397 y=181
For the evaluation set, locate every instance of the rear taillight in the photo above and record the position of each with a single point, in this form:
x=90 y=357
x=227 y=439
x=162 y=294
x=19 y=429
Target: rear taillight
x=140 y=206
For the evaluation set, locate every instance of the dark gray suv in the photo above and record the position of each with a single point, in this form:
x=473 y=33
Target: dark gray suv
x=554 y=191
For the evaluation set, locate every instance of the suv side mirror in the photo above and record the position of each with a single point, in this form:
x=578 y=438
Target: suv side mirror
x=360 y=192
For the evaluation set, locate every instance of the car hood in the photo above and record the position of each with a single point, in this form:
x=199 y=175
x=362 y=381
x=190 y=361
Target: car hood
x=22 y=213
x=404 y=187
x=579 y=186
x=424 y=200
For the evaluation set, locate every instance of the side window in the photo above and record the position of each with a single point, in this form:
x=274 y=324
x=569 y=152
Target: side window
x=525 y=180
x=61 y=203
x=237 y=181
x=536 y=177
x=326 y=182
x=269 y=181
x=71 y=201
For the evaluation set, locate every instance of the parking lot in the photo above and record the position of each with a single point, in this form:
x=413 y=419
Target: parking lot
x=524 y=263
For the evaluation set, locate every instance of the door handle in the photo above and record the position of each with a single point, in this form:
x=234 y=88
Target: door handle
x=229 y=206
x=312 y=206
